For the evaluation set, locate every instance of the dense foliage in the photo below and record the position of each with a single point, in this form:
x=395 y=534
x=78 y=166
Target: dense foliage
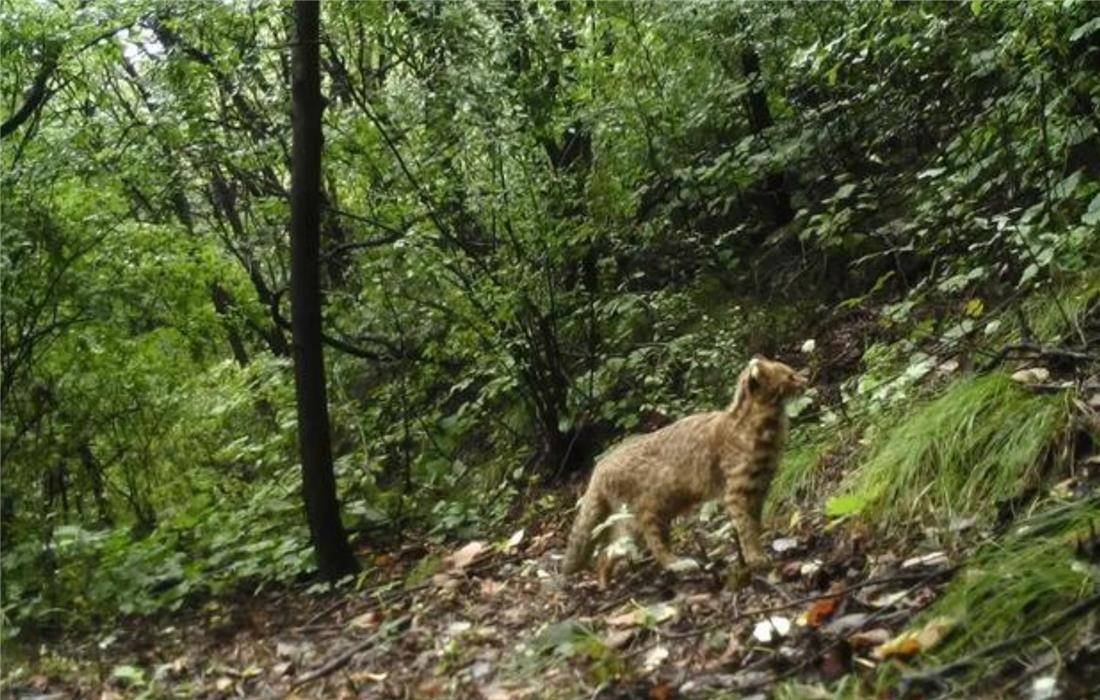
x=544 y=224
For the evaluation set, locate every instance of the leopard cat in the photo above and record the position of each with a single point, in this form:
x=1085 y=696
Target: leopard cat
x=660 y=475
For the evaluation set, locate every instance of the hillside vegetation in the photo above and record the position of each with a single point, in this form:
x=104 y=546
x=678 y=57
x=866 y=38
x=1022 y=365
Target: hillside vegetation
x=546 y=226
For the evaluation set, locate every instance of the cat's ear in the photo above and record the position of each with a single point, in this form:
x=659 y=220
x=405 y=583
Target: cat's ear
x=753 y=381
x=750 y=380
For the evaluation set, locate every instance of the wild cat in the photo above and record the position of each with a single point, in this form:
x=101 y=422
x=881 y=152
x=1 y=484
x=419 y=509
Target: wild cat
x=731 y=453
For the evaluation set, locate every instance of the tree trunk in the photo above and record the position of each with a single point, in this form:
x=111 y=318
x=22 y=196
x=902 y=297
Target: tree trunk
x=38 y=93
x=94 y=472
x=223 y=306
x=334 y=555
x=776 y=193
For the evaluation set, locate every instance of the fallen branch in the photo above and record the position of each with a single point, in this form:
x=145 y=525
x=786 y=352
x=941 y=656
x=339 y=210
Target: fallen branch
x=922 y=577
x=326 y=612
x=340 y=660
x=1036 y=350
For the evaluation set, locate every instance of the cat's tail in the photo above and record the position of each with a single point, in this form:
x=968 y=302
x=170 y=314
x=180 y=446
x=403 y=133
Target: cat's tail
x=581 y=543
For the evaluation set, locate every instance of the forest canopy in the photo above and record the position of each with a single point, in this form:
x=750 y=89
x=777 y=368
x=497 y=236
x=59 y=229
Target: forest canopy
x=543 y=226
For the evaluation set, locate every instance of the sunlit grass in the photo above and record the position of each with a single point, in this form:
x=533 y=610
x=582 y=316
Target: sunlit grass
x=983 y=442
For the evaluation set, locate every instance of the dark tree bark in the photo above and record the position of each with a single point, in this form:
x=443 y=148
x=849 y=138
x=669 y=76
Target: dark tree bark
x=776 y=194
x=223 y=306
x=36 y=95
x=334 y=555
x=93 y=470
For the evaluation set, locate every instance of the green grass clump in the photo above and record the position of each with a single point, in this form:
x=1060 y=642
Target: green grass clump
x=1015 y=586
x=982 y=442
x=1059 y=314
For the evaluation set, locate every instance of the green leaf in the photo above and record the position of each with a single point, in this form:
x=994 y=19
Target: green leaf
x=1087 y=28
x=1067 y=187
x=845 y=191
x=131 y=675
x=1092 y=216
x=847 y=504
x=1029 y=272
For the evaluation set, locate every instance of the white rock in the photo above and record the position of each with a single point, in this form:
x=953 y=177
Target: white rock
x=773 y=627
x=784 y=544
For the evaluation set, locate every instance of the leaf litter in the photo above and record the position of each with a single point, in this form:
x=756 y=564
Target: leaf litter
x=498 y=621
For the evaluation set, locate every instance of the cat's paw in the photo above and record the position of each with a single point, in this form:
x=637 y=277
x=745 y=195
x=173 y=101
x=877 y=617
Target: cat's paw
x=683 y=565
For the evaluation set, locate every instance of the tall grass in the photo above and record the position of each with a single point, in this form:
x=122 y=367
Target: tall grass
x=1059 y=314
x=984 y=441
x=1015 y=586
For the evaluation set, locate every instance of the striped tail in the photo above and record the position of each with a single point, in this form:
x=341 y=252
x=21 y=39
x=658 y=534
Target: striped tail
x=581 y=543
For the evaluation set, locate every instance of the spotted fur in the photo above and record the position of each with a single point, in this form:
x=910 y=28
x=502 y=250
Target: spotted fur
x=658 y=476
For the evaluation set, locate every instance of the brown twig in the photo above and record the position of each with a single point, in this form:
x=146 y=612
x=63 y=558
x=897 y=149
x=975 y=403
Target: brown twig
x=340 y=660
x=774 y=588
x=1036 y=350
x=326 y=612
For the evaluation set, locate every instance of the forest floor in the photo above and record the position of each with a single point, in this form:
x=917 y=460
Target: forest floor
x=496 y=620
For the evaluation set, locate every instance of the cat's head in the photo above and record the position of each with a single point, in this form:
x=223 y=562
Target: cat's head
x=768 y=380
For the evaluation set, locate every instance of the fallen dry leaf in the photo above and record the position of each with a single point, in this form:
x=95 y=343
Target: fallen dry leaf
x=654 y=657
x=884 y=600
x=869 y=638
x=820 y=611
x=663 y=690
x=514 y=540
x=911 y=642
x=431 y=687
x=930 y=559
x=1031 y=375
x=846 y=624
x=654 y=614
x=366 y=621
x=619 y=638
x=791 y=570
x=467 y=554
x=935 y=631
x=496 y=692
